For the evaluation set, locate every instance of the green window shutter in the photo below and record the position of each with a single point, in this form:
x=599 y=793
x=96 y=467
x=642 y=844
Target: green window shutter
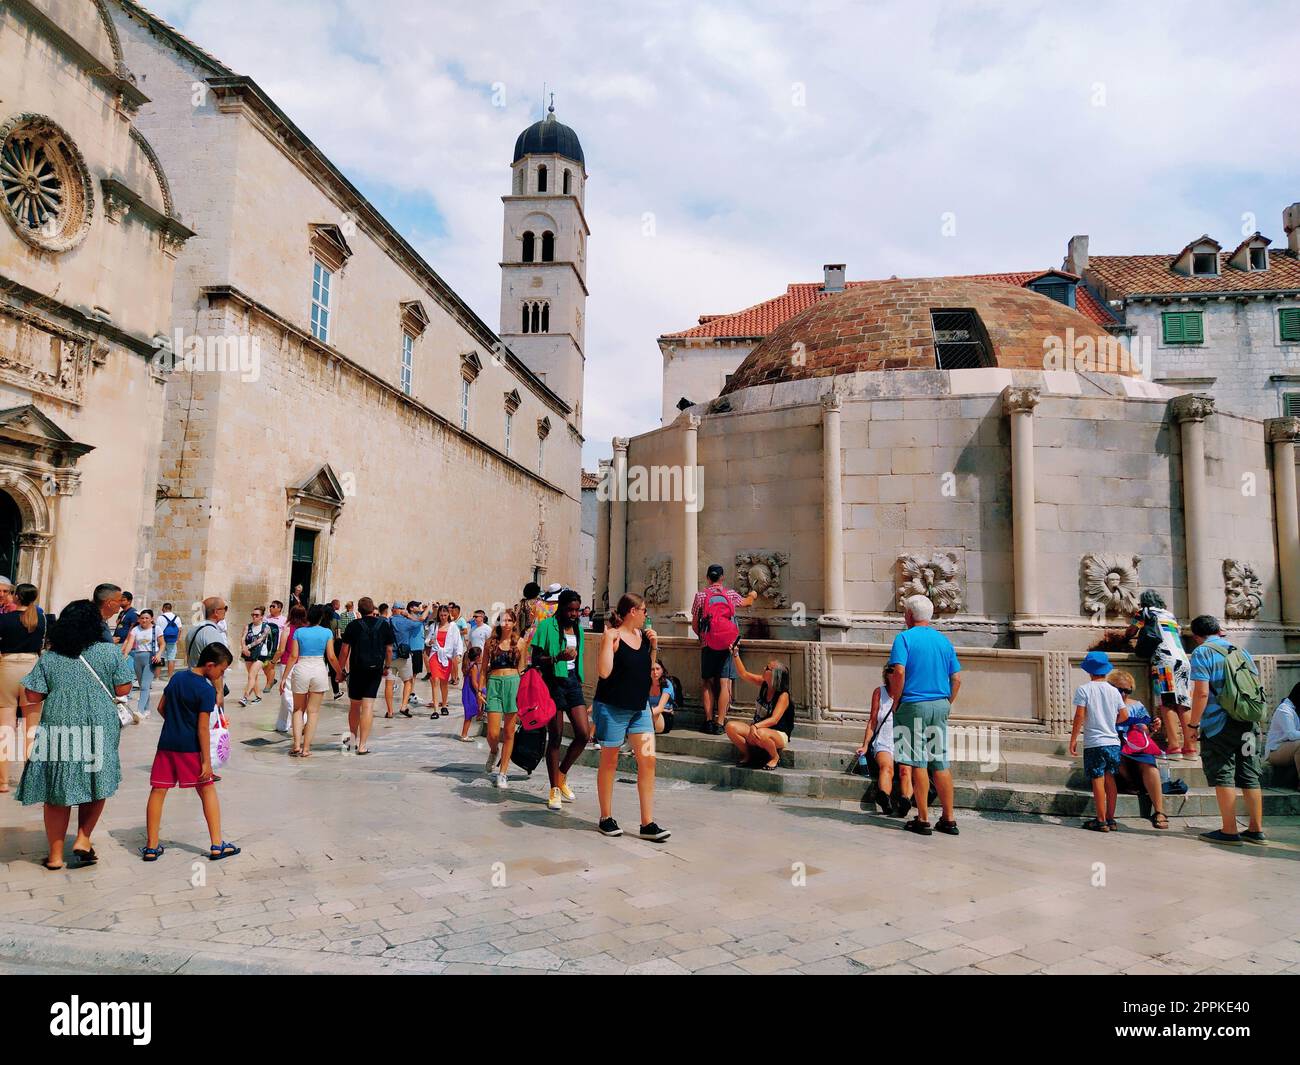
x=1288 y=319
x=1183 y=327
x=1291 y=404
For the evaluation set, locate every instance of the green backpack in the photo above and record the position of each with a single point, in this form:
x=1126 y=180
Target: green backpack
x=1242 y=694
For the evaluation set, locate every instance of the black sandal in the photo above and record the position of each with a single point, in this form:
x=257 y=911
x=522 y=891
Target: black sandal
x=1095 y=825
x=86 y=857
x=1157 y=814
x=51 y=868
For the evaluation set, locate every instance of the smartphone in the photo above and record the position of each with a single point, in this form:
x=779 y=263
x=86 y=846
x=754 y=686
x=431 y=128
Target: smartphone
x=647 y=623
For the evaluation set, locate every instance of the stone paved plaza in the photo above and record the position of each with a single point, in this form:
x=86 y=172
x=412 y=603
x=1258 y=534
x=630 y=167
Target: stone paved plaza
x=409 y=861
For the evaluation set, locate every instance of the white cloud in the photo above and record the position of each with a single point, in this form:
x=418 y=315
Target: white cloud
x=690 y=112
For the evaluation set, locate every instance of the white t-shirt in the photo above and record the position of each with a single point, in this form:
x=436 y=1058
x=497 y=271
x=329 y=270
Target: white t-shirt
x=1284 y=728
x=147 y=639
x=1101 y=704
x=478 y=636
x=883 y=738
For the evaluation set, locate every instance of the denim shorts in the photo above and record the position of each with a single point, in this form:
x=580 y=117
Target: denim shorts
x=1098 y=761
x=567 y=692
x=614 y=724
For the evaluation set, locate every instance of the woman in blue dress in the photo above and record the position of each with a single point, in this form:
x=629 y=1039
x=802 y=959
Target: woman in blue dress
x=74 y=760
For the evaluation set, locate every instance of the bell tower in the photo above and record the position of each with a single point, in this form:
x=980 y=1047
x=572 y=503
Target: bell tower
x=544 y=258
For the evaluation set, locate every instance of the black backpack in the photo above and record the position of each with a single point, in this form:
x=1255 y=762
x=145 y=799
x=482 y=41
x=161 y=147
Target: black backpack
x=369 y=650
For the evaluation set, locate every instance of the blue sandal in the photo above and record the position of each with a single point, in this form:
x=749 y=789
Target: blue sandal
x=225 y=850
x=151 y=854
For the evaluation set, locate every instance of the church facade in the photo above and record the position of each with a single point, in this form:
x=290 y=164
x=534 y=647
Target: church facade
x=313 y=403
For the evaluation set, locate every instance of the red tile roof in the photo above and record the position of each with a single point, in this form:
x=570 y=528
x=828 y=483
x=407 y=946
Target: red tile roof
x=590 y=480
x=762 y=318
x=1130 y=275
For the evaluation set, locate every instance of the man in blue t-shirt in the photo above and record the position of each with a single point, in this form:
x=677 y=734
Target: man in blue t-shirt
x=409 y=633
x=924 y=687
x=1229 y=748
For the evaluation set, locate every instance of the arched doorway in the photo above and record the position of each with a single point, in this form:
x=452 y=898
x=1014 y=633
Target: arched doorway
x=11 y=526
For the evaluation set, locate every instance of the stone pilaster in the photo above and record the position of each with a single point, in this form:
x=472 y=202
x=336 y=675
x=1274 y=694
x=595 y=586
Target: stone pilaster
x=1190 y=413
x=601 y=603
x=1018 y=405
x=688 y=576
x=618 y=521
x=1282 y=435
x=833 y=622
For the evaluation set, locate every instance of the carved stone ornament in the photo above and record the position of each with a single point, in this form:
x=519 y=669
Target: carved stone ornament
x=1109 y=584
x=933 y=576
x=659 y=579
x=1195 y=407
x=1243 y=591
x=760 y=571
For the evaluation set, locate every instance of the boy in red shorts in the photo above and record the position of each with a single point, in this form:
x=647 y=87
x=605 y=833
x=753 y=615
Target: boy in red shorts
x=184 y=755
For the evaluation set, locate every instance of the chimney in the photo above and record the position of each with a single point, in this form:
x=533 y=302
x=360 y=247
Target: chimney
x=833 y=276
x=1076 y=255
x=1291 y=223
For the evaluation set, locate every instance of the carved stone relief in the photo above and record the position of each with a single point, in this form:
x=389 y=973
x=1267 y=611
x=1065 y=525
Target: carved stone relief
x=760 y=571
x=1243 y=591
x=934 y=576
x=1109 y=584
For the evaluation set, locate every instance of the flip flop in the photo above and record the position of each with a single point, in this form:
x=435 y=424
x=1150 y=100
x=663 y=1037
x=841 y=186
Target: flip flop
x=51 y=868
x=86 y=857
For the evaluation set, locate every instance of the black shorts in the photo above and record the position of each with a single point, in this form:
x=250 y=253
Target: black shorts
x=417 y=663
x=716 y=664
x=667 y=718
x=363 y=681
x=567 y=693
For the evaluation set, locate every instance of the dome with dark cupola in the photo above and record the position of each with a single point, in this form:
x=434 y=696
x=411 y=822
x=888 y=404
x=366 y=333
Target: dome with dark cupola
x=549 y=137
x=925 y=324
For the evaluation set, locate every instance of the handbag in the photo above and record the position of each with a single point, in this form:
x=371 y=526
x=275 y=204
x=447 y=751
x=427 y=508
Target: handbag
x=125 y=715
x=218 y=738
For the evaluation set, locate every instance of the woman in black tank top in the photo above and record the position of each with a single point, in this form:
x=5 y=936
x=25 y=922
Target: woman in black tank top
x=627 y=648
x=760 y=743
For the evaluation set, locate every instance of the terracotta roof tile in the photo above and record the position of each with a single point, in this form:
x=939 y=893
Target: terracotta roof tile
x=1128 y=275
x=590 y=480
x=762 y=318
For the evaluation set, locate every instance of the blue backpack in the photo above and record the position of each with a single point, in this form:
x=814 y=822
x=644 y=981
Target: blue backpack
x=172 y=630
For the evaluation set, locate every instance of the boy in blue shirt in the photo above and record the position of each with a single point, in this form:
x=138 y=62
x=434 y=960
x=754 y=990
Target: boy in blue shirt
x=184 y=755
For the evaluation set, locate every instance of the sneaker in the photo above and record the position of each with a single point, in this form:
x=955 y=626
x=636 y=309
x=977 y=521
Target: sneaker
x=885 y=802
x=921 y=828
x=654 y=833
x=465 y=739
x=609 y=827
x=902 y=806
x=1258 y=838
x=503 y=782
x=948 y=828
x=243 y=702
x=257 y=698
x=268 y=688
x=491 y=762
x=1175 y=756
x=1222 y=838
x=554 y=802
x=566 y=792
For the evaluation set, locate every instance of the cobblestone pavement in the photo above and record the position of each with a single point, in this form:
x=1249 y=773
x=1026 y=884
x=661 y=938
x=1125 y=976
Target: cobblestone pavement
x=409 y=860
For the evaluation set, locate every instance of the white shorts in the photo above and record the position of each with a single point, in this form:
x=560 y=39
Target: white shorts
x=310 y=675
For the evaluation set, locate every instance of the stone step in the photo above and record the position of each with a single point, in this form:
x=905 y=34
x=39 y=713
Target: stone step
x=970 y=793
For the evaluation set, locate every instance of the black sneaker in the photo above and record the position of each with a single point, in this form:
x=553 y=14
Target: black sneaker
x=885 y=802
x=609 y=827
x=653 y=832
x=902 y=806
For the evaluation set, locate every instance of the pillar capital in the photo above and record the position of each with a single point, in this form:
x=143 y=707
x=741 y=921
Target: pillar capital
x=832 y=401
x=1282 y=430
x=686 y=420
x=1019 y=400
x=1195 y=407
x=620 y=444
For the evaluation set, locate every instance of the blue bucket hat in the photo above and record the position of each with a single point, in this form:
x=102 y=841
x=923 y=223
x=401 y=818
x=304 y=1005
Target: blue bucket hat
x=1096 y=664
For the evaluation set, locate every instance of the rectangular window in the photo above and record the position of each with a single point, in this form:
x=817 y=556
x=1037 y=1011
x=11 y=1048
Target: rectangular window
x=541 y=452
x=1288 y=325
x=1205 y=263
x=464 y=404
x=408 y=351
x=959 y=340
x=1182 y=327
x=1291 y=404
x=510 y=418
x=320 y=302
x=1259 y=258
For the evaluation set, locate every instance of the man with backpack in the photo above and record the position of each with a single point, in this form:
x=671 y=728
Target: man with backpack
x=210 y=631
x=1227 y=707
x=171 y=626
x=367 y=652
x=713 y=620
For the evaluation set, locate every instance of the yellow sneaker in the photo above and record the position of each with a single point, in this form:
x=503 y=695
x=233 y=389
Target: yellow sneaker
x=553 y=803
x=566 y=792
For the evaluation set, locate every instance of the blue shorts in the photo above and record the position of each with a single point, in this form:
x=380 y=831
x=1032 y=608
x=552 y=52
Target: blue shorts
x=169 y=653
x=614 y=725
x=921 y=734
x=1098 y=761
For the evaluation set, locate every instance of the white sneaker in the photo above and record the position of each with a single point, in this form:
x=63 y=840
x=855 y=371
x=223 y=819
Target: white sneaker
x=503 y=782
x=554 y=802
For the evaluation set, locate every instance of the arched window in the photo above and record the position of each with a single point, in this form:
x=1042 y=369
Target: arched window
x=548 y=247
x=536 y=319
x=528 y=246
x=546 y=317
x=524 y=327
x=541 y=179
x=567 y=177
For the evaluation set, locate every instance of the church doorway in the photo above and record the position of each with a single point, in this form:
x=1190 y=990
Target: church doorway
x=304 y=561
x=11 y=525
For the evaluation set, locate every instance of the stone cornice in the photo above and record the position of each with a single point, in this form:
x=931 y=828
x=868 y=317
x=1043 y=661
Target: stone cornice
x=31 y=301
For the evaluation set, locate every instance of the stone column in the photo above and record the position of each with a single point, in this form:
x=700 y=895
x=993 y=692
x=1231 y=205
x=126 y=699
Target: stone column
x=601 y=604
x=1190 y=413
x=1018 y=405
x=1283 y=434
x=688 y=572
x=618 y=522
x=834 y=620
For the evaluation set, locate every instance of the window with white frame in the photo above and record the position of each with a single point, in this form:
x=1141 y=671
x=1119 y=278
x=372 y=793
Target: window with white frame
x=321 y=277
x=510 y=420
x=408 y=359
x=464 y=404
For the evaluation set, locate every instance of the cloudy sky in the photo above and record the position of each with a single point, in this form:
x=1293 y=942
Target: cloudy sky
x=735 y=147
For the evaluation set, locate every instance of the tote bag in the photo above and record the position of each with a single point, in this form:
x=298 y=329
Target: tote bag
x=218 y=738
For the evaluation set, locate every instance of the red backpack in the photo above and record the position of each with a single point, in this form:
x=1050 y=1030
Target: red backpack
x=718 y=629
x=536 y=707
